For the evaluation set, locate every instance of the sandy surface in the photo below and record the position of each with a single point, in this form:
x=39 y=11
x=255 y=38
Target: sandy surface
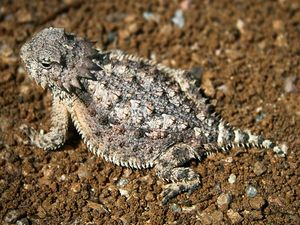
x=247 y=54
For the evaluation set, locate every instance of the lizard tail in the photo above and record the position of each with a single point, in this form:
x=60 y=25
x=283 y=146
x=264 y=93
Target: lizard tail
x=229 y=137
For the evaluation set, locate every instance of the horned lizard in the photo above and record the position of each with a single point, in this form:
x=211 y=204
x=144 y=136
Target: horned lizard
x=130 y=111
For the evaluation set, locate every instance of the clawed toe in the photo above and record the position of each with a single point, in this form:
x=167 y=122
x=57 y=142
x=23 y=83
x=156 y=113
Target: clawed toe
x=28 y=131
x=174 y=189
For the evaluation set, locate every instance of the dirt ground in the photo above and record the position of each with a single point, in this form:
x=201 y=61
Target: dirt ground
x=247 y=54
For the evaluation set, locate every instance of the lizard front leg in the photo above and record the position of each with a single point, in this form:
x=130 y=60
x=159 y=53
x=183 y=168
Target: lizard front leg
x=57 y=135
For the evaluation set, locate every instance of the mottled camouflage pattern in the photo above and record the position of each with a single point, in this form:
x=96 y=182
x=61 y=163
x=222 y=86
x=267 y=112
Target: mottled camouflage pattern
x=129 y=110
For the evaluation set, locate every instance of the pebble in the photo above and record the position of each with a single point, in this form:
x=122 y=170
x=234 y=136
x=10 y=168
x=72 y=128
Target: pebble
x=185 y=4
x=217 y=216
x=205 y=218
x=259 y=168
x=281 y=41
x=206 y=83
x=62 y=177
x=23 y=16
x=7 y=54
x=232 y=178
x=234 y=55
x=278 y=25
x=251 y=191
x=218 y=188
x=76 y=187
x=97 y=206
x=84 y=172
x=228 y=159
x=23 y=221
x=224 y=200
x=276 y=201
x=6 y=123
x=124 y=192
x=255 y=215
x=149 y=197
x=289 y=84
x=178 y=18
x=259 y=116
x=149 y=16
x=12 y=215
x=240 y=25
x=257 y=203
x=122 y=182
x=235 y=217
x=175 y=208
x=223 y=88
x=214 y=217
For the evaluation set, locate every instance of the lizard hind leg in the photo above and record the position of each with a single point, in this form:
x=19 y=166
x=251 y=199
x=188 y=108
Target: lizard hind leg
x=169 y=166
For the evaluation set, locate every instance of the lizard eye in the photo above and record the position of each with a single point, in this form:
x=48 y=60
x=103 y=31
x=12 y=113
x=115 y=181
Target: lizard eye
x=46 y=64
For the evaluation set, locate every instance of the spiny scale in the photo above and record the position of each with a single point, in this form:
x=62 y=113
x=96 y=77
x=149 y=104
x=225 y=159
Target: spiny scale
x=128 y=110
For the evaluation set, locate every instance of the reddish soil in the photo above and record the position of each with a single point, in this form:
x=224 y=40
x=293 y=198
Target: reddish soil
x=247 y=54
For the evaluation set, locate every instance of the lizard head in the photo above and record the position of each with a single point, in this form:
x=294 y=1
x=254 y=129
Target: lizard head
x=56 y=59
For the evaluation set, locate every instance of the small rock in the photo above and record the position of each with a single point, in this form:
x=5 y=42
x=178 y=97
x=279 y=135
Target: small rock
x=127 y=172
x=7 y=54
x=84 y=172
x=149 y=197
x=240 y=25
x=41 y=212
x=278 y=25
x=257 y=203
x=235 y=217
x=28 y=187
x=25 y=90
x=259 y=168
x=175 y=208
x=224 y=200
x=251 y=191
x=6 y=123
x=276 y=201
x=185 y=4
x=205 y=218
x=68 y=2
x=217 y=216
x=23 y=221
x=97 y=206
x=149 y=16
x=232 y=178
x=228 y=159
x=23 y=16
x=281 y=41
x=178 y=18
x=234 y=55
x=207 y=85
x=122 y=182
x=259 y=116
x=63 y=177
x=12 y=215
x=124 y=192
x=48 y=171
x=129 y=30
x=223 y=88
x=76 y=187
x=218 y=188
x=289 y=84
x=255 y=215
